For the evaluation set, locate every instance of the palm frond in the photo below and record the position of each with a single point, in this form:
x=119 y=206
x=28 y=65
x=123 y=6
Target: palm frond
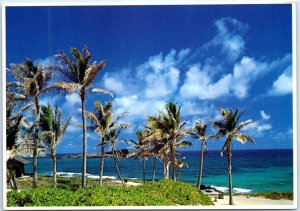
x=92 y=72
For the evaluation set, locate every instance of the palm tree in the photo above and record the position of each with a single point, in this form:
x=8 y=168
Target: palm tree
x=106 y=124
x=230 y=127
x=32 y=81
x=16 y=123
x=141 y=150
x=179 y=165
x=101 y=120
x=199 y=132
x=167 y=127
x=80 y=73
x=53 y=129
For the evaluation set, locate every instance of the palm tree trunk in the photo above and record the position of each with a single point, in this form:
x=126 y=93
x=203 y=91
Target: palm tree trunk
x=173 y=161
x=117 y=167
x=35 y=142
x=178 y=174
x=84 y=150
x=144 y=170
x=54 y=171
x=154 y=168
x=166 y=167
x=201 y=165
x=102 y=163
x=229 y=154
x=11 y=179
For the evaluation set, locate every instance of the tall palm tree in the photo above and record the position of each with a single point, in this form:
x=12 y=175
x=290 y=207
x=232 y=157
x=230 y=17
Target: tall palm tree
x=80 y=73
x=107 y=125
x=199 y=132
x=32 y=81
x=230 y=127
x=168 y=126
x=53 y=129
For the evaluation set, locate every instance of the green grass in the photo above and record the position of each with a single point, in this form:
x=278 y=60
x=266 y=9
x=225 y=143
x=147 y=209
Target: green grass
x=163 y=192
x=275 y=195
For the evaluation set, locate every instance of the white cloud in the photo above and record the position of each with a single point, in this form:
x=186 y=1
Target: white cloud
x=72 y=99
x=49 y=99
x=199 y=84
x=193 y=108
x=284 y=135
x=229 y=37
x=260 y=126
x=137 y=108
x=263 y=127
x=264 y=115
x=112 y=84
x=143 y=90
x=284 y=83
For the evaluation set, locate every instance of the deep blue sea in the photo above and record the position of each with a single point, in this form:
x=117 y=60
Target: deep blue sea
x=252 y=170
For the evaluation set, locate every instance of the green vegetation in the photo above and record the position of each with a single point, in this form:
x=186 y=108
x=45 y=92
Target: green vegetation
x=276 y=195
x=164 y=192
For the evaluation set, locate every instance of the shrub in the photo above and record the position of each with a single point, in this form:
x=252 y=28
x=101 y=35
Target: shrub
x=164 y=192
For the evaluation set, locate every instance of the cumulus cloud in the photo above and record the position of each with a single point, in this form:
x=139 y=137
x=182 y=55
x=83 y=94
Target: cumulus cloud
x=146 y=88
x=284 y=83
x=199 y=83
x=229 y=37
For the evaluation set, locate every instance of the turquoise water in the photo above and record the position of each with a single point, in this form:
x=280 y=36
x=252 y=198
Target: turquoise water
x=252 y=170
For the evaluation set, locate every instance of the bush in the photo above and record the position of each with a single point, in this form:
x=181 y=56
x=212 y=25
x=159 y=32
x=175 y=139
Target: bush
x=164 y=192
x=277 y=195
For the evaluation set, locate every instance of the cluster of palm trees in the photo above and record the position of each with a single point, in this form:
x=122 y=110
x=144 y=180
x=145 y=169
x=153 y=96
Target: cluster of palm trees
x=161 y=138
x=166 y=133
x=31 y=81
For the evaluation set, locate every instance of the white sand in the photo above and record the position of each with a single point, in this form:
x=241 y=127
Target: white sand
x=252 y=201
x=127 y=183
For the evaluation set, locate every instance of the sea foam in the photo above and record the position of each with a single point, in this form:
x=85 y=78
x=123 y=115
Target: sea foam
x=235 y=190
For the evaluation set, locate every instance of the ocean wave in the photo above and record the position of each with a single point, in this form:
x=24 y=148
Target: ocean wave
x=76 y=174
x=235 y=190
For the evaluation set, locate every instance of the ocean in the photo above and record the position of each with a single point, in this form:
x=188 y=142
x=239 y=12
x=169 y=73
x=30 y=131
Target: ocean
x=252 y=170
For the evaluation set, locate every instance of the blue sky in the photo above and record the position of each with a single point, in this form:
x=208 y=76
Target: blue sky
x=202 y=57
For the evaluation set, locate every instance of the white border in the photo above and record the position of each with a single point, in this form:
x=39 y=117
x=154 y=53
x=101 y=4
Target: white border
x=155 y=2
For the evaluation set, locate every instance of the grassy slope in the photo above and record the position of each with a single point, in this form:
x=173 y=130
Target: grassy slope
x=164 y=192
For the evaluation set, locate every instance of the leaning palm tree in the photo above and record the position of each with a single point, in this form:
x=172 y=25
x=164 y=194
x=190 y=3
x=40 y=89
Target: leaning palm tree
x=230 y=127
x=107 y=125
x=199 y=132
x=80 y=73
x=113 y=137
x=32 y=81
x=53 y=129
x=168 y=126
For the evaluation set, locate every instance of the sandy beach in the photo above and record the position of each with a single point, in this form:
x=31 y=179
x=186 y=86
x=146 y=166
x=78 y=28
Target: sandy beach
x=252 y=201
